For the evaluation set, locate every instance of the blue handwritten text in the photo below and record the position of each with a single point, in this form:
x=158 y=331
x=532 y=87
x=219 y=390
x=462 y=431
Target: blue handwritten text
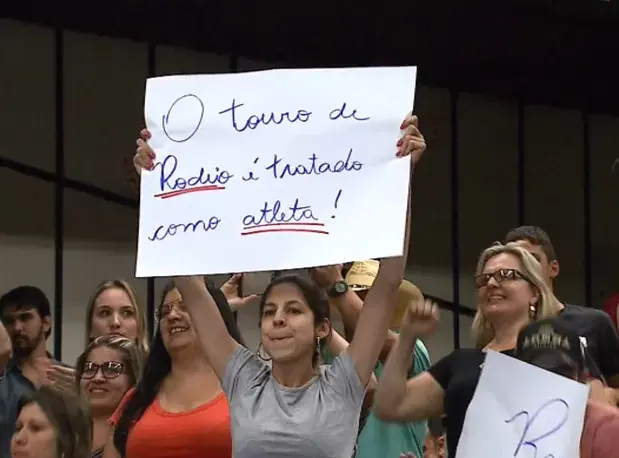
x=341 y=113
x=179 y=228
x=275 y=214
x=529 y=420
x=189 y=105
x=168 y=182
x=250 y=175
x=253 y=120
x=314 y=166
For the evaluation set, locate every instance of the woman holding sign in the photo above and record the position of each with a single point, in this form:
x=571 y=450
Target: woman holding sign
x=511 y=293
x=296 y=408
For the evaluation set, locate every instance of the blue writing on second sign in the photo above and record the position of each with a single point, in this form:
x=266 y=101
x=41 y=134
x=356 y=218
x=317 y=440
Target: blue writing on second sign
x=313 y=166
x=251 y=120
x=560 y=413
x=173 y=229
x=183 y=119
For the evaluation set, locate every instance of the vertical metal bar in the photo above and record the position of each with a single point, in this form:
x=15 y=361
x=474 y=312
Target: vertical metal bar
x=150 y=282
x=521 y=164
x=586 y=186
x=59 y=196
x=455 y=215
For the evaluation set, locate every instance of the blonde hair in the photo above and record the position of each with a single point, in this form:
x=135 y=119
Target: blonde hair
x=142 y=339
x=547 y=305
x=132 y=356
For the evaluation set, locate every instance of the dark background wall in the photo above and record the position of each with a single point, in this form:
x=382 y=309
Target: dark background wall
x=72 y=107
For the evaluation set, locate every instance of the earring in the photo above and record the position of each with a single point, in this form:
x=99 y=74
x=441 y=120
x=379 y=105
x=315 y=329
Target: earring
x=262 y=354
x=318 y=346
x=532 y=311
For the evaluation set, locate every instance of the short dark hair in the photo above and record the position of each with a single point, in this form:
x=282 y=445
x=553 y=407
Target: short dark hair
x=27 y=297
x=70 y=418
x=535 y=235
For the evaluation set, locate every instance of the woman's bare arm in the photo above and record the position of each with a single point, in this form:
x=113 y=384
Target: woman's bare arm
x=337 y=345
x=350 y=305
x=215 y=341
x=378 y=309
x=399 y=399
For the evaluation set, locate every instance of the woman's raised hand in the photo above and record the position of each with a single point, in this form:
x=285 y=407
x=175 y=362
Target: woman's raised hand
x=412 y=141
x=144 y=155
x=231 y=291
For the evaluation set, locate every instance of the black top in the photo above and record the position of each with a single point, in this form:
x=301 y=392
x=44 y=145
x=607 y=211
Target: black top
x=599 y=337
x=458 y=374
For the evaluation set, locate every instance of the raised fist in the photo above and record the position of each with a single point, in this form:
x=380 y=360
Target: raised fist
x=421 y=318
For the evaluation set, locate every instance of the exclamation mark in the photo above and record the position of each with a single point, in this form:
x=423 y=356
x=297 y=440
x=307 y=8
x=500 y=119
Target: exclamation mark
x=337 y=199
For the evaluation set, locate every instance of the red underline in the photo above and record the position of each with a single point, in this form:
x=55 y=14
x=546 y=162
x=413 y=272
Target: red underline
x=210 y=187
x=263 y=231
x=247 y=228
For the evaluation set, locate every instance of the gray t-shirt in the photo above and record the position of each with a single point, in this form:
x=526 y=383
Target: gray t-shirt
x=318 y=420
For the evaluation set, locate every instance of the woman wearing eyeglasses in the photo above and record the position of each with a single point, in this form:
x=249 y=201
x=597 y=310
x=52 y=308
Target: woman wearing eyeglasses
x=510 y=293
x=105 y=372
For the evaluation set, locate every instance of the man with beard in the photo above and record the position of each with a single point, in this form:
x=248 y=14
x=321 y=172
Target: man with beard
x=25 y=314
x=597 y=332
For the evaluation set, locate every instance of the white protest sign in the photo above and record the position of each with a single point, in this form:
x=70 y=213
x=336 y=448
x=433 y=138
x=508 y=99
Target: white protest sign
x=274 y=170
x=520 y=410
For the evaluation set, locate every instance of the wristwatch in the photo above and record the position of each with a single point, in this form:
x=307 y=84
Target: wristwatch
x=337 y=289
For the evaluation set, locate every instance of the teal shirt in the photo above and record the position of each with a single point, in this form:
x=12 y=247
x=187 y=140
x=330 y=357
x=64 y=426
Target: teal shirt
x=390 y=439
x=387 y=439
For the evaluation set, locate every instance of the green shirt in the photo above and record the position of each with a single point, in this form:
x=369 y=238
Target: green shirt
x=387 y=439
x=390 y=439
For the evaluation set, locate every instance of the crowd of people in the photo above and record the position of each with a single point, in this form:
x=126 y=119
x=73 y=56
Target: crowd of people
x=196 y=390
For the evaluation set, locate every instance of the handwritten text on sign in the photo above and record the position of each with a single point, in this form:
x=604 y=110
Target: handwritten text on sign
x=273 y=170
x=519 y=410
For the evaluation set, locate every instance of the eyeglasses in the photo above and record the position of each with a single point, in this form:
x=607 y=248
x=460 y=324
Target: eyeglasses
x=165 y=309
x=499 y=276
x=109 y=370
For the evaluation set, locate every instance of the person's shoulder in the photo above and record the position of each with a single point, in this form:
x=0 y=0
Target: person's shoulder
x=597 y=409
x=580 y=311
x=421 y=359
x=113 y=420
x=465 y=355
x=468 y=351
x=126 y=397
x=603 y=422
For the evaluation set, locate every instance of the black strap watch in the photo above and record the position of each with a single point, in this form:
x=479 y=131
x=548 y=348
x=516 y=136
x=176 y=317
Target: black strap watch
x=337 y=289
